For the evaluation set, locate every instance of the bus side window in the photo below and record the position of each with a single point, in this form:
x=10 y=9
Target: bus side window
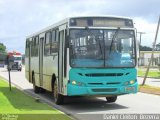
x=47 y=44
x=54 y=42
x=26 y=43
x=36 y=45
x=33 y=47
x=27 y=48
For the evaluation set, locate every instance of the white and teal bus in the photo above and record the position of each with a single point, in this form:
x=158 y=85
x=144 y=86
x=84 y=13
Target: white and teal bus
x=84 y=56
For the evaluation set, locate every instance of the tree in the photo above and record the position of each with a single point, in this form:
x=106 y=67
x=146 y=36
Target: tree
x=158 y=47
x=145 y=48
x=2 y=48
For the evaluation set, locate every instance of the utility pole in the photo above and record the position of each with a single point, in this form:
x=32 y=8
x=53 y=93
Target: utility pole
x=8 y=62
x=154 y=43
x=140 y=33
x=140 y=38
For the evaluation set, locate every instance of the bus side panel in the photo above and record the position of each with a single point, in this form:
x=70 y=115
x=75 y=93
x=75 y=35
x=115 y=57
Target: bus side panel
x=54 y=62
x=35 y=68
x=51 y=67
x=46 y=76
x=27 y=61
x=27 y=68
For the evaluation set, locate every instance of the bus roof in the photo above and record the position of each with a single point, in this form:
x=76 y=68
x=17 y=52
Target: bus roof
x=49 y=27
x=105 y=16
x=67 y=20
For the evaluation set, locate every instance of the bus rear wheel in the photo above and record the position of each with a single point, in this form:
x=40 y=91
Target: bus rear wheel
x=58 y=98
x=111 y=99
x=35 y=88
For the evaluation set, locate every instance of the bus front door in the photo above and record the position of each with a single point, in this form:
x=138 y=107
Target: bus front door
x=61 y=60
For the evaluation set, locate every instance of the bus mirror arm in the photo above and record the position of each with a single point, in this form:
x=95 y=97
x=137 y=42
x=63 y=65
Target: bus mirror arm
x=67 y=41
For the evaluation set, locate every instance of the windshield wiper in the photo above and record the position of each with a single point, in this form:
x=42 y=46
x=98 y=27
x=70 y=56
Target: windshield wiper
x=113 y=38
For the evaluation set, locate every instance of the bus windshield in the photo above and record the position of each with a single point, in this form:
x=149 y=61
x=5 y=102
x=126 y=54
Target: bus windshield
x=102 y=48
x=17 y=58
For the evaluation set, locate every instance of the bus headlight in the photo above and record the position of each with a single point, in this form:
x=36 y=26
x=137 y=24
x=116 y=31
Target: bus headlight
x=77 y=83
x=131 y=82
x=74 y=82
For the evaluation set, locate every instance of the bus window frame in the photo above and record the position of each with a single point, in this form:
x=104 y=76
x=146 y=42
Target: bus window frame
x=36 y=46
x=56 y=41
x=32 y=47
x=50 y=38
x=27 y=48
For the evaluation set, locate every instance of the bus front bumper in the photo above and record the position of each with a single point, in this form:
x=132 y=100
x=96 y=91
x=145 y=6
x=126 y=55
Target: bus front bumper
x=74 y=90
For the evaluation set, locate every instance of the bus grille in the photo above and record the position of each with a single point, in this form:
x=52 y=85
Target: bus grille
x=95 y=83
x=105 y=90
x=113 y=83
x=108 y=83
x=103 y=74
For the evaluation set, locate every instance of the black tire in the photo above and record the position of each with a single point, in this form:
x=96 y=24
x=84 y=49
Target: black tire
x=35 y=88
x=111 y=99
x=58 y=98
x=42 y=90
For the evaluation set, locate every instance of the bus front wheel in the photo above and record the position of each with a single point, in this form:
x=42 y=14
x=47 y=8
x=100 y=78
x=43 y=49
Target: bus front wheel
x=111 y=99
x=58 y=98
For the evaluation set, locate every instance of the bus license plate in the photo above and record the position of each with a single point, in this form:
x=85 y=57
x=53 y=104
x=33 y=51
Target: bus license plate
x=128 y=89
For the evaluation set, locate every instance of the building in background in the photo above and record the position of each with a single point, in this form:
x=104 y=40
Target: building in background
x=145 y=57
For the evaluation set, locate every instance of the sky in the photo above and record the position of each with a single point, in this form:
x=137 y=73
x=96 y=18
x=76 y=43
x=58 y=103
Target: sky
x=20 y=18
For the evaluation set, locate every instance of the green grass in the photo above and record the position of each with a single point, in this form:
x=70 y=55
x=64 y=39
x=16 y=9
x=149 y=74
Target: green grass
x=16 y=102
x=152 y=73
x=149 y=87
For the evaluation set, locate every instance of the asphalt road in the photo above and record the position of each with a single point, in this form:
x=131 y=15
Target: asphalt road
x=150 y=81
x=84 y=108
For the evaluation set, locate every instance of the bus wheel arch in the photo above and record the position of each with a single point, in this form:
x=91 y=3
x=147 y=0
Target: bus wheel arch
x=53 y=79
x=58 y=98
x=35 y=87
